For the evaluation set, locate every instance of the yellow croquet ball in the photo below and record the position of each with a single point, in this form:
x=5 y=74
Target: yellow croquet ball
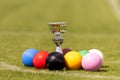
x=73 y=60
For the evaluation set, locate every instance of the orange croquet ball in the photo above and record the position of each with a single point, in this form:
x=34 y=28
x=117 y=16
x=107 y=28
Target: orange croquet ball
x=73 y=60
x=39 y=60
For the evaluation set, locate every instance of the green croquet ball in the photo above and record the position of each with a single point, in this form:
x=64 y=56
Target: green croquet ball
x=83 y=52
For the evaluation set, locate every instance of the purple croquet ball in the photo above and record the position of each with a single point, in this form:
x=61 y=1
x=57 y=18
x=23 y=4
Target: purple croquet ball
x=65 y=50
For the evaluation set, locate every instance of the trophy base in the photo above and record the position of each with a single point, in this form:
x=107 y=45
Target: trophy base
x=58 y=49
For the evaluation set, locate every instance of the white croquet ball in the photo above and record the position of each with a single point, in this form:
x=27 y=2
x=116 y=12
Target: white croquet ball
x=98 y=52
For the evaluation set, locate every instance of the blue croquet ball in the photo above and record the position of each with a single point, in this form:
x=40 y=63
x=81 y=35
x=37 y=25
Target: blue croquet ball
x=27 y=57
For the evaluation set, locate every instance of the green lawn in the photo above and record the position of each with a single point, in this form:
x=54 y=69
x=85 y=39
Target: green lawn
x=91 y=24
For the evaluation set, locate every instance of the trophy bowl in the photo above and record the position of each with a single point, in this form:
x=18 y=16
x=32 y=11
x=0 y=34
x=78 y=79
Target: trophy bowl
x=57 y=27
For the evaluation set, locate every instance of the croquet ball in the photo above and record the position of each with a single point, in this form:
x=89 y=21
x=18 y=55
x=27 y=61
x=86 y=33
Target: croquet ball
x=91 y=62
x=73 y=60
x=27 y=57
x=65 y=50
x=39 y=60
x=98 y=52
x=83 y=52
x=55 y=61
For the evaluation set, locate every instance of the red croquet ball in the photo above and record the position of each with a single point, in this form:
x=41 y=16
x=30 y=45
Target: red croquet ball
x=39 y=60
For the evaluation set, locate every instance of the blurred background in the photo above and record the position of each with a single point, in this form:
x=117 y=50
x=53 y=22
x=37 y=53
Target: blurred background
x=82 y=15
x=91 y=23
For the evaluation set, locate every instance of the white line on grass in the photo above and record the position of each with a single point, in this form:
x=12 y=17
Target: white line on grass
x=5 y=66
x=9 y=67
x=116 y=7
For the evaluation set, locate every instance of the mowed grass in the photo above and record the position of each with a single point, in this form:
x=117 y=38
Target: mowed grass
x=91 y=24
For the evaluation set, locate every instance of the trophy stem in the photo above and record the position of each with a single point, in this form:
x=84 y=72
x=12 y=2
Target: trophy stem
x=58 y=40
x=58 y=49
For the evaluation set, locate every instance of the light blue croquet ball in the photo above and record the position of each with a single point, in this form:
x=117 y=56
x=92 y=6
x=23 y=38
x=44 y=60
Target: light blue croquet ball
x=27 y=57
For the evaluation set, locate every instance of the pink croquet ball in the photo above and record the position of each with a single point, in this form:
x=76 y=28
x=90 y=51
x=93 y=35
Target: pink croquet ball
x=91 y=62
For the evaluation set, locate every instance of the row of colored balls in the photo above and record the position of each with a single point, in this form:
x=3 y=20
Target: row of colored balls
x=90 y=60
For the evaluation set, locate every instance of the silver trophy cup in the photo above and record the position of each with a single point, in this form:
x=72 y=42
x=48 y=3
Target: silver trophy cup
x=57 y=28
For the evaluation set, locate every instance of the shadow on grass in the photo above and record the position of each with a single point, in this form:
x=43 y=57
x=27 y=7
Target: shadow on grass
x=105 y=66
x=104 y=69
